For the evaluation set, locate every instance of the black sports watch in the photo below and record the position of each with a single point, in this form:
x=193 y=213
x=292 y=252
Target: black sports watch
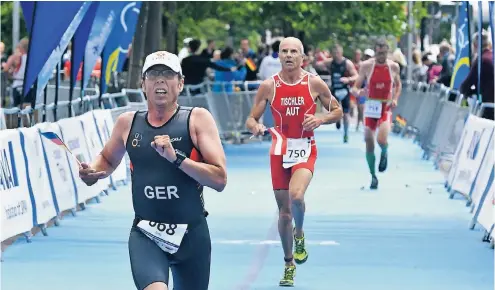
x=180 y=157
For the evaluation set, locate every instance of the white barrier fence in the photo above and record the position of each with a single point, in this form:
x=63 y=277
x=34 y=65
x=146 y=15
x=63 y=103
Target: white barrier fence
x=472 y=172
x=452 y=132
x=39 y=179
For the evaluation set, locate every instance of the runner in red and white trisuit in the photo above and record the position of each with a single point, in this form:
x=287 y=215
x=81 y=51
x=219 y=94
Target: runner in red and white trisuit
x=291 y=94
x=383 y=91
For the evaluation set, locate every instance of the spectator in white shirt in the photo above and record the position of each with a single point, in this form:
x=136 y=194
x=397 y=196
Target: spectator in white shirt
x=184 y=51
x=270 y=64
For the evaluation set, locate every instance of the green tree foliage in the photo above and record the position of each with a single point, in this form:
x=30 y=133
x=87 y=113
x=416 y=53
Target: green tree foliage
x=345 y=22
x=6 y=23
x=322 y=23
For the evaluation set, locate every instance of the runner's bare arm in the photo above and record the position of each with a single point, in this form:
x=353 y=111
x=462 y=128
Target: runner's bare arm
x=110 y=157
x=322 y=64
x=353 y=74
x=356 y=88
x=397 y=82
x=260 y=100
x=333 y=107
x=212 y=171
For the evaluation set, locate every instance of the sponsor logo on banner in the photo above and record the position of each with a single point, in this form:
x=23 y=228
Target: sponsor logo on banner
x=57 y=164
x=93 y=144
x=483 y=176
x=19 y=209
x=16 y=196
x=105 y=125
x=475 y=144
x=43 y=192
x=477 y=135
x=75 y=146
x=73 y=134
x=8 y=172
x=59 y=156
x=484 y=212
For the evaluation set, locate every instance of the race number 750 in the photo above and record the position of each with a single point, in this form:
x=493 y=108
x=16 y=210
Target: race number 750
x=296 y=153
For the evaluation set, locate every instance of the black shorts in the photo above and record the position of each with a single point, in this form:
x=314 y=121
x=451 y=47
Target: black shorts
x=345 y=103
x=18 y=99
x=190 y=265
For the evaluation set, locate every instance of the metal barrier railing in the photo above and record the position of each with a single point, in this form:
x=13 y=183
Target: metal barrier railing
x=434 y=116
x=480 y=109
x=15 y=117
x=229 y=102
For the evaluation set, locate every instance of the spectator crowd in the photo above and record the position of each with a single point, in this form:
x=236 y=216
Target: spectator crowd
x=225 y=65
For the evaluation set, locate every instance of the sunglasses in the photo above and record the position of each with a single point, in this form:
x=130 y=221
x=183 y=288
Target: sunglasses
x=154 y=74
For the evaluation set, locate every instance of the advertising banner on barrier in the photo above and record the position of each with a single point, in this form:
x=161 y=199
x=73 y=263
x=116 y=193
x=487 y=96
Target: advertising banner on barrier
x=104 y=122
x=3 y=126
x=73 y=136
x=15 y=200
x=481 y=181
x=93 y=144
x=478 y=134
x=453 y=168
x=59 y=170
x=41 y=184
x=484 y=213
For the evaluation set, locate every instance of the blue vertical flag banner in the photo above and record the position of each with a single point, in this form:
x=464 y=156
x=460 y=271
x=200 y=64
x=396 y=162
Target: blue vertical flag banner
x=492 y=24
x=27 y=12
x=46 y=35
x=80 y=39
x=116 y=48
x=54 y=59
x=105 y=19
x=462 y=58
x=480 y=49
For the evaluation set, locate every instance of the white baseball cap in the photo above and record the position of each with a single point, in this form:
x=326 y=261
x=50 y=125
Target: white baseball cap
x=165 y=58
x=369 y=52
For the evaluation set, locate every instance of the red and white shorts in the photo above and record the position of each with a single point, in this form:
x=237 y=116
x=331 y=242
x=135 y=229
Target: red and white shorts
x=374 y=123
x=281 y=176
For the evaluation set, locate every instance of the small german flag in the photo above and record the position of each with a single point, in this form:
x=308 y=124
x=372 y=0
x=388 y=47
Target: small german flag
x=251 y=64
x=401 y=121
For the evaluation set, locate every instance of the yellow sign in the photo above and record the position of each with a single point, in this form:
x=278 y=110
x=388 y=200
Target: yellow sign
x=113 y=60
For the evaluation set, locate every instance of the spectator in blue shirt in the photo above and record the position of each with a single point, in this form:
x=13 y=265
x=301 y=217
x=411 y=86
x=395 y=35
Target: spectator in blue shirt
x=227 y=60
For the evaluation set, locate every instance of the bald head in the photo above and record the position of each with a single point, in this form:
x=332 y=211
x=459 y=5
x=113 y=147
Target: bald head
x=291 y=54
x=291 y=41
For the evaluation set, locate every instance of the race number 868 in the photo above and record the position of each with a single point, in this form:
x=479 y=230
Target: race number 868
x=170 y=230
